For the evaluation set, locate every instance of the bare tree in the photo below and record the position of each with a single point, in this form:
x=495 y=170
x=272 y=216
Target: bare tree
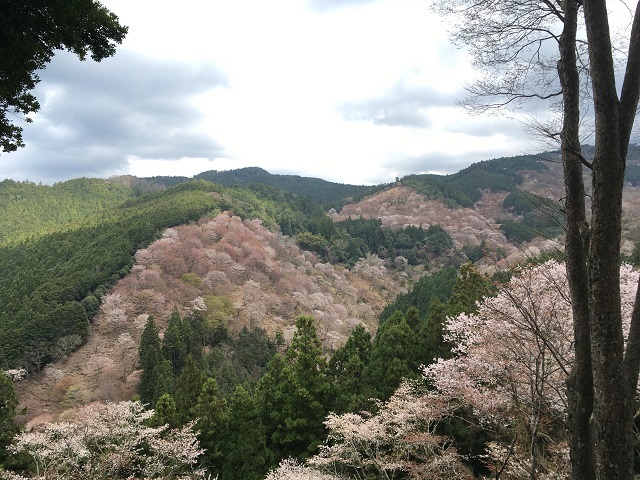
x=535 y=50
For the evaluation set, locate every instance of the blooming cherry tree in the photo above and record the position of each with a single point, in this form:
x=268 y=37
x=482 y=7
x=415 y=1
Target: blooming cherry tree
x=511 y=362
x=399 y=440
x=110 y=441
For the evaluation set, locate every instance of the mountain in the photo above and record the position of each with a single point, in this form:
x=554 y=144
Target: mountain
x=124 y=252
x=327 y=194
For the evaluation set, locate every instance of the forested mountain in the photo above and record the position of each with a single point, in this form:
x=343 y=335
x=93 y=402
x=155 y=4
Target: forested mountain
x=254 y=309
x=30 y=210
x=327 y=194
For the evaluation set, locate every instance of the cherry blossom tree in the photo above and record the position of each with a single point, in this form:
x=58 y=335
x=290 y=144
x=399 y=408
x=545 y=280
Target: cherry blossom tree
x=399 y=440
x=290 y=469
x=110 y=441
x=511 y=363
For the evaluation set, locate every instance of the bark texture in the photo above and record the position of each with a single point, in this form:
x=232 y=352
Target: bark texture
x=580 y=381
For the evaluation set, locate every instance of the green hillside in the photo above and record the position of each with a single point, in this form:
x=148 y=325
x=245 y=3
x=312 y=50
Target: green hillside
x=464 y=188
x=327 y=194
x=27 y=209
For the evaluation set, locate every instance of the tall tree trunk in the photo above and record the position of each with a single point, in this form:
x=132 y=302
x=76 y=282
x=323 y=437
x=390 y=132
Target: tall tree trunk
x=612 y=406
x=580 y=381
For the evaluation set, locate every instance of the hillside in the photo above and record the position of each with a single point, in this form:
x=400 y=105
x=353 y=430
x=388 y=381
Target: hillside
x=223 y=255
x=237 y=273
x=327 y=194
x=28 y=210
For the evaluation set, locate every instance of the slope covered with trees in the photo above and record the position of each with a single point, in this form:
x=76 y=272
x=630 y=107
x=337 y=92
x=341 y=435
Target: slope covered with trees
x=52 y=285
x=322 y=192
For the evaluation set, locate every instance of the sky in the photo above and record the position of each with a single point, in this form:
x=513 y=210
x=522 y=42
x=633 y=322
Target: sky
x=351 y=91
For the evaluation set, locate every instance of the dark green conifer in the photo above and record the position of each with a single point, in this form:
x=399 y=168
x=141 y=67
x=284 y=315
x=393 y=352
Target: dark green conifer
x=346 y=369
x=244 y=449
x=295 y=394
x=174 y=348
x=150 y=358
x=392 y=357
x=165 y=412
x=188 y=385
x=210 y=411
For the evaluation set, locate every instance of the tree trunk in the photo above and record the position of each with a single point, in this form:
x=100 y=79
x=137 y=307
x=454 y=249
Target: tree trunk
x=612 y=422
x=580 y=381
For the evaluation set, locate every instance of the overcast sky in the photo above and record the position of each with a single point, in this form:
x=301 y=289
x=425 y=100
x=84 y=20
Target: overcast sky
x=352 y=91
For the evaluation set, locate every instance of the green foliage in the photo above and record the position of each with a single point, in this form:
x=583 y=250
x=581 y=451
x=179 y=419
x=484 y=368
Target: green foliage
x=392 y=357
x=192 y=279
x=322 y=192
x=244 y=448
x=634 y=258
x=153 y=381
x=190 y=380
x=345 y=372
x=540 y=216
x=174 y=347
x=438 y=240
x=219 y=308
x=240 y=360
x=464 y=188
x=211 y=412
x=411 y=331
x=350 y=240
x=8 y=404
x=30 y=34
x=428 y=288
x=475 y=253
x=165 y=412
x=30 y=210
x=43 y=280
x=293 y=395
x=470 y=287
x=313 y=243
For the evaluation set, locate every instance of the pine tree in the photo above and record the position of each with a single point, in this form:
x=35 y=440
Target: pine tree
x=392 y=357
x=165 y=412
x=188 y=386
x=431 y=335
x=346 y=368
x=150 y=357
x=174 y=348
x=470 y=287
x=244 y=449
x=211 y=413
x=299 y=396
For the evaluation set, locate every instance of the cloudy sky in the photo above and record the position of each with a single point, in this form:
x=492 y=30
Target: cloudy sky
x=353 y=91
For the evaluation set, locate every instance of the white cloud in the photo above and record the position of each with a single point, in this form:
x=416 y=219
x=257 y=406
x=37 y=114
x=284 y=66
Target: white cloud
x=351 y=91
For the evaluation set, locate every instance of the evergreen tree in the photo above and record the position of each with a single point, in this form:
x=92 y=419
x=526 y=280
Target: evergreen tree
x=431 y=335
x=150 y=357
x=294 y=394
x=470 y=287
x=160 y=382
x=8 y=404
x=198 y=326
x=392 y=357
x=346 y=369
x=244 y=449
x=268 y=399
x=174 y=348
x=188 y=385
x=165 y=412
x=210 y=411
